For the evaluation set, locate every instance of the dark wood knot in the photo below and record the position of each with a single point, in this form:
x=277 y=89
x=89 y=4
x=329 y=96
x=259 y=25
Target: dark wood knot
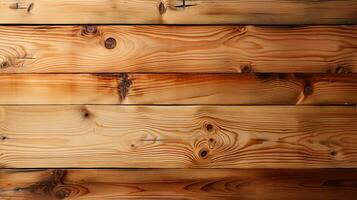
x=124 y=85
x=209 y=127
x=5 y=64
x=203 y=153
x=89 y=30
x=246 y=69
x=162 y=8
x=110 y=43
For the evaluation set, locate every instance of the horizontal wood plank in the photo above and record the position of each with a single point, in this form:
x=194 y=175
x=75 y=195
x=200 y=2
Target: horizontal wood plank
x=178 y=12
x=247 y=184
x=219 y=89
x=219 y=49
x=178 y=137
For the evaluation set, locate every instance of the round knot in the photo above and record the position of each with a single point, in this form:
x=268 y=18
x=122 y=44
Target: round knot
x=110 y=43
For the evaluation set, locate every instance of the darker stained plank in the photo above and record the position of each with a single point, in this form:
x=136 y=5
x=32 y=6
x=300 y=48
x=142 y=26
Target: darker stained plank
x=246 y=184
x=180 y=89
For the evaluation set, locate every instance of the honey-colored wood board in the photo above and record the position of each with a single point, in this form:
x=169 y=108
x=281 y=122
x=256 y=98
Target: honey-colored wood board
x=245 y=184
x=178 y=12
x=178 y=136
x=107 y=49
x=164 y=89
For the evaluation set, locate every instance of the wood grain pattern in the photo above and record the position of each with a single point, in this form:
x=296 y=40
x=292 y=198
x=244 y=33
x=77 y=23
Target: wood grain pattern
x=247 y=184
x=178 y=12
x=164 y=89
x=178 y=137
x=45 y=49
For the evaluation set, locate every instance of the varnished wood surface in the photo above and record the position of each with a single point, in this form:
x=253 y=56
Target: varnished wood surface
x=164 y=89
x=106 y=49
x=245 y=184
x=178 y=12
x=178 y=137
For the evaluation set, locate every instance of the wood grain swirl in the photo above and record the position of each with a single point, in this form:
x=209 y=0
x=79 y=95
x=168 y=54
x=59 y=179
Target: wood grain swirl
x=108 y=49
x=178 y=12
x=246 y=184
x=165 y=89
x=178 y=137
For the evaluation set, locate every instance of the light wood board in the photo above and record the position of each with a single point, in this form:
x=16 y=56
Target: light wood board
x=219 y=49
x=178 y=137
x=178 y=12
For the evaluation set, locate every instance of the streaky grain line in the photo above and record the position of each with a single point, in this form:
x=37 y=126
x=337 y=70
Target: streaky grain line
x=165 y=89
x=178 y=137
x=246 y=49
x=222 y=184
x=178 y=12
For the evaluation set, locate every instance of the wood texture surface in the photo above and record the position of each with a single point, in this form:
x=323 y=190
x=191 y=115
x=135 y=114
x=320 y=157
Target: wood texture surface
x=178 y=137
x=164 y=89
x=105 y=49
x=245 y=184
x=178 y=12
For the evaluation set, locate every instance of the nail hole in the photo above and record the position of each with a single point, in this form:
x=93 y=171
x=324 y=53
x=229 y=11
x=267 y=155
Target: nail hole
x=3 y=137
x=86 y=114
x=209 y=127
x=203 y=153
x=211 y=140
x=132 y=145
x=333 y=153
x=308 y=89
x=110 y=43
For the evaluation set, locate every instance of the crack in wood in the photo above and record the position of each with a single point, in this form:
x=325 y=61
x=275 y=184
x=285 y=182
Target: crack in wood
x=17 y=6
x=186 y=4
x=343 y=70
x=30 y=7
x=25 y=58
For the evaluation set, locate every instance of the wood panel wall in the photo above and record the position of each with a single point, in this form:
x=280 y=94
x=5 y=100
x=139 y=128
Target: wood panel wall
x=178 y=99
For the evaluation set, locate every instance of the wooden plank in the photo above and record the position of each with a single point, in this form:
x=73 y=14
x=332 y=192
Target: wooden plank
x=247 y=184
x=178 y=12
x=45 y=49
x=178 y=137
x=244 y=89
